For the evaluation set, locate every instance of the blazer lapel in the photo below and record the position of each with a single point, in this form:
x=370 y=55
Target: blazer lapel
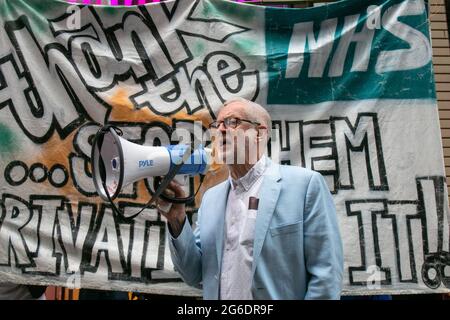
x=268 y=197
x=220 y=207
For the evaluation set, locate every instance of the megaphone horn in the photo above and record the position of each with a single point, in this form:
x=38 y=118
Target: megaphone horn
x=117 y=162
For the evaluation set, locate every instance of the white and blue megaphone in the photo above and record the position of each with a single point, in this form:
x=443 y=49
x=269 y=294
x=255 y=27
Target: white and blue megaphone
x=117 y=162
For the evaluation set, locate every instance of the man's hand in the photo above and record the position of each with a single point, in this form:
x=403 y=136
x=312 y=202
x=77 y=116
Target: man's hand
x=174 y=213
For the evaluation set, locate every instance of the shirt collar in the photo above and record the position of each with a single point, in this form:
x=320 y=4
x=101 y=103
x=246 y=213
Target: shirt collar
x=244 y=183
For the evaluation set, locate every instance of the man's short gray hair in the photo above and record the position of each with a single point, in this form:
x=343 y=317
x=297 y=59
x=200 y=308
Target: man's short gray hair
x=255 y=112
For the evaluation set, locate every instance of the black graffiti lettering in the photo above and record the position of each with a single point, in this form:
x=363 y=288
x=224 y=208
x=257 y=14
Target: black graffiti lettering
x=99 y=66
x=315 y=149
x=153 y=250
x=171 y=96
x=13 y=177
x=225 y=72
x=16 y=87
x=58 y=176
x=174 y=45
x=364 y=137
x=79 y=160
x=280 y=148
x=46 y=259
x=17 y=91
x=229 y=75
x=50 y=236
x=105 y=247
x=405 y=218
x=38 y=173
x=429 y=206
x=404 y=212
x=126 y=251
x=436 y=244
x=366 y=213
x=375 y=251
x=48 y=64
x=144 y=34
x=207 y=94
x=67 y=234
x=320 y=151
x=147 y=243
x=30 y=231
x=319 y=142
x=91 y=60
x=135 y=38
x=72 y=233
x=221 y=76
x=133 y=250
x=140 y=35
x=84 y=64
x=15 y=214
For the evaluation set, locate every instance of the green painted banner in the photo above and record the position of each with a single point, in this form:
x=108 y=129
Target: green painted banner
x=352 y=50
x=349 y=86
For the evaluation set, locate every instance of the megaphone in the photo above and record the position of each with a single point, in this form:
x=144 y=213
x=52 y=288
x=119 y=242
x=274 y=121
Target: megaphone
x=117 y=162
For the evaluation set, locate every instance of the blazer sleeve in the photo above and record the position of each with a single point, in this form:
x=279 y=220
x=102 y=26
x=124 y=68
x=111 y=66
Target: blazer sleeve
x=186 y=253
x=323 y=245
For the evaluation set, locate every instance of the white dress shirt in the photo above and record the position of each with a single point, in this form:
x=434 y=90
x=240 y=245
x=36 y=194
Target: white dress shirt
x=236 y=271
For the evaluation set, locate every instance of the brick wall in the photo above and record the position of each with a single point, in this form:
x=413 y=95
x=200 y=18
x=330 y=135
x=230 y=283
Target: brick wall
x=441 y=61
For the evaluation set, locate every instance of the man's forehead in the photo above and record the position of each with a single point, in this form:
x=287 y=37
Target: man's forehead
x=233 y=109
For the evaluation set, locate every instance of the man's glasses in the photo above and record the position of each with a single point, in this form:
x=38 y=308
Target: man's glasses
x=231 y=123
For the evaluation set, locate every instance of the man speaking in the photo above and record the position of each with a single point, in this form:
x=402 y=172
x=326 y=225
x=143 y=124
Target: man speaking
x=268 y=232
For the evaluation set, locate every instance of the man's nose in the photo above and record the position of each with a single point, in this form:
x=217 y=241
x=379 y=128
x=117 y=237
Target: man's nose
x=222 y=127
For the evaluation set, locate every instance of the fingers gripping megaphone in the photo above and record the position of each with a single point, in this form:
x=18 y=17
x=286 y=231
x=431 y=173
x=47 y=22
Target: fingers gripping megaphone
x=117 y=162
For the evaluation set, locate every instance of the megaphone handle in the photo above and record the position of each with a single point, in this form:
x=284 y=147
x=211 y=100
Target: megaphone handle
x=169 y=177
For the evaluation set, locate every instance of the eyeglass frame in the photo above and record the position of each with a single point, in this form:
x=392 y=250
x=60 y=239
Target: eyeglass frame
x=238 y=122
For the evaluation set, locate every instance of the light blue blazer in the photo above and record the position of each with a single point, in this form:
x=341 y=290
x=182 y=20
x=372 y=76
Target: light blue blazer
x=297 y=251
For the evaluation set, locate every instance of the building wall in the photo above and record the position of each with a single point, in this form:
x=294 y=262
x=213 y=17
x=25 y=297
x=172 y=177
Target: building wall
x=441 y=62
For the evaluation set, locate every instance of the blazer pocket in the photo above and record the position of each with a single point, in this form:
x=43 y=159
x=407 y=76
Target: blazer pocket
x=287 y=228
